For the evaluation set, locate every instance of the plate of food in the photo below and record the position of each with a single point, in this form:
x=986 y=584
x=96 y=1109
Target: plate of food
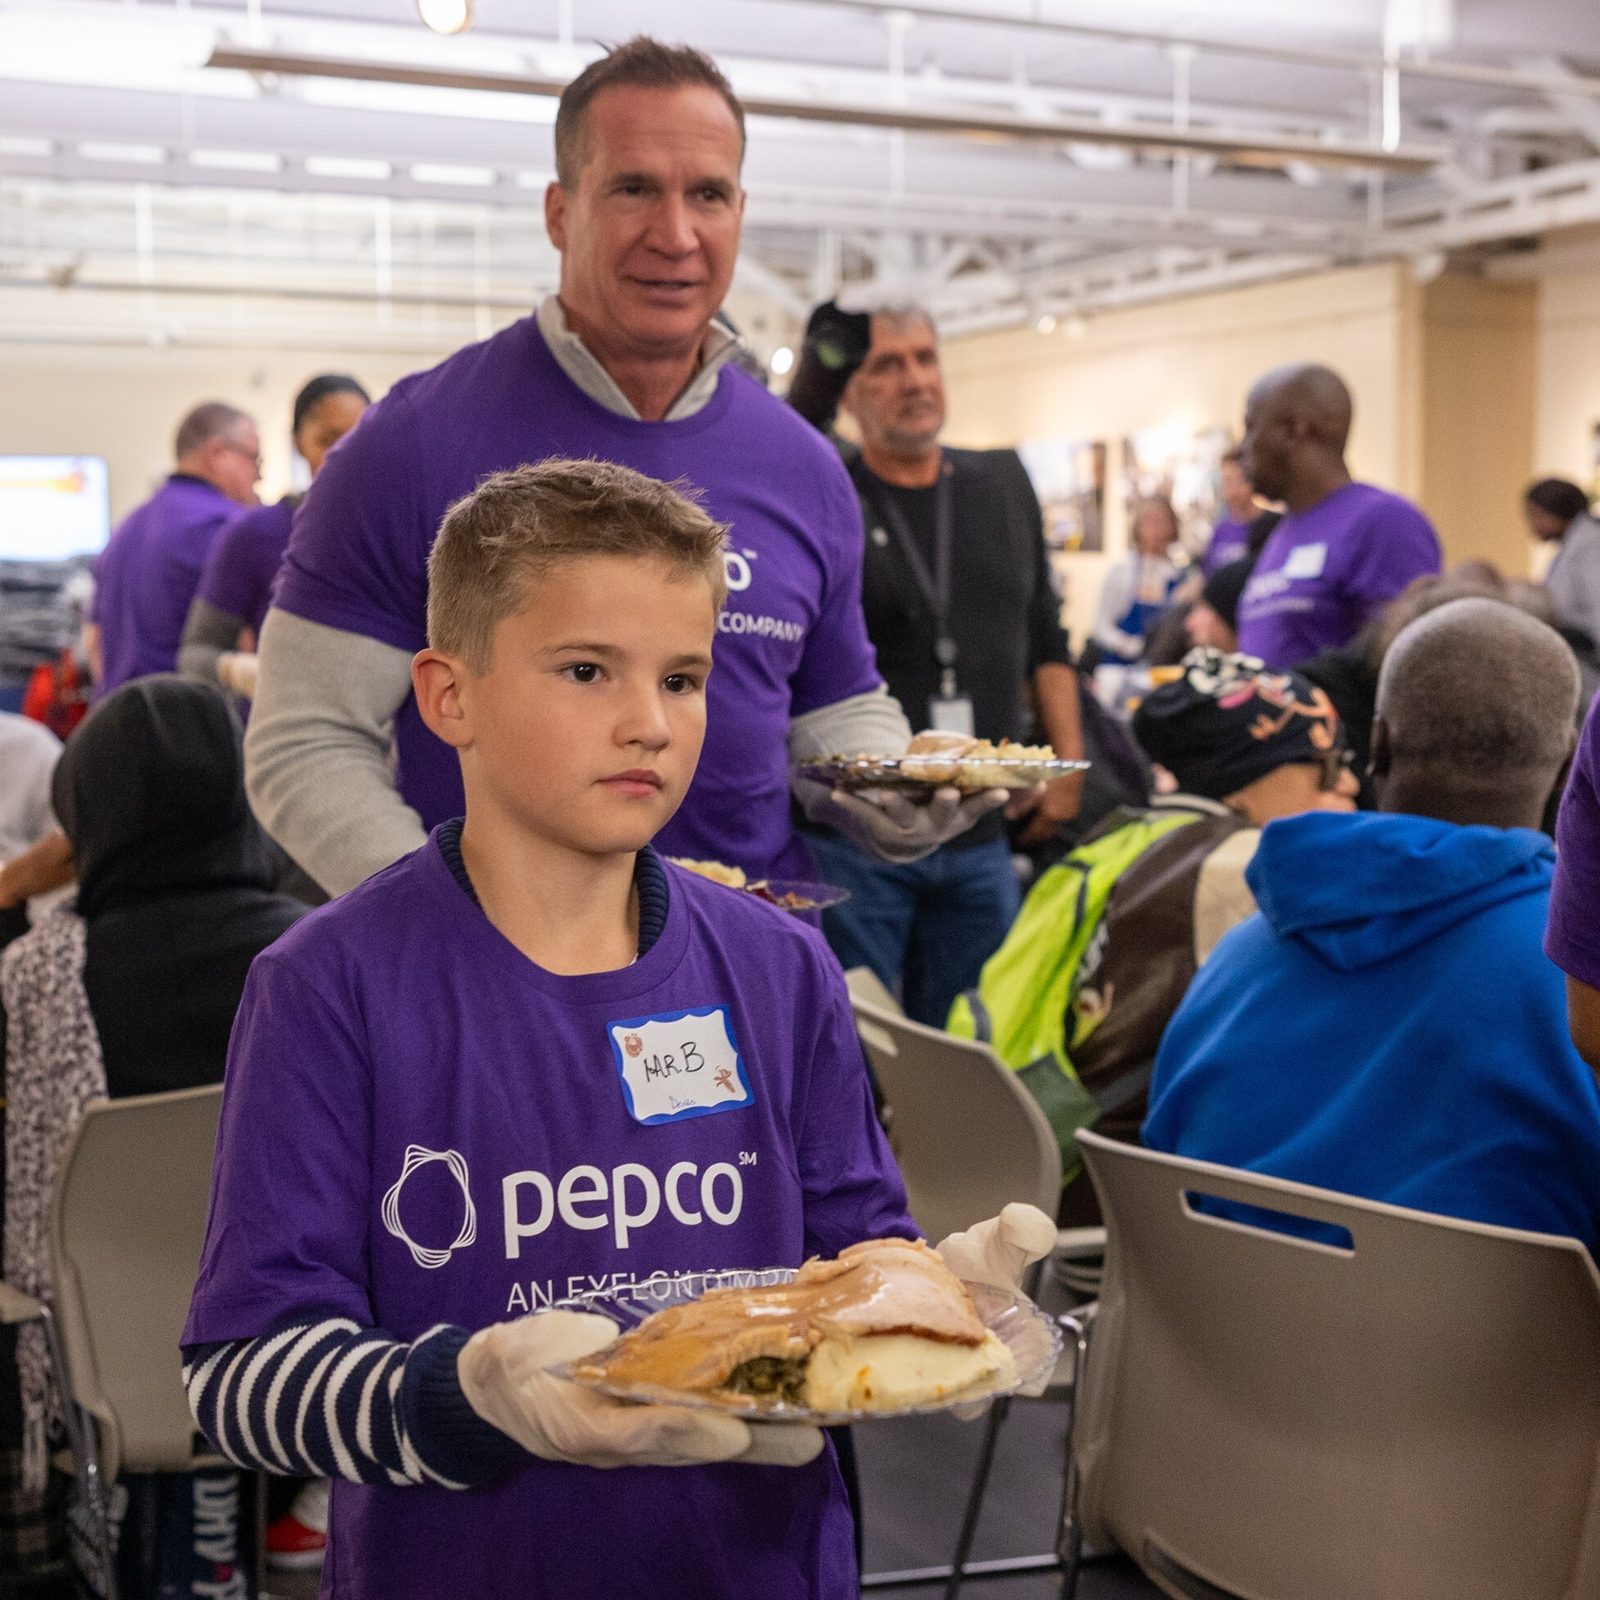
x=943 y=760
x=788 y=894
x=883 y=1330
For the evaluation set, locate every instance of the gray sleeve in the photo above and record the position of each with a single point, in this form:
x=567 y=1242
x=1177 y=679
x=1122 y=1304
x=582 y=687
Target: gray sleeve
x=862 y=724
x=317 y=750
x=208 y=635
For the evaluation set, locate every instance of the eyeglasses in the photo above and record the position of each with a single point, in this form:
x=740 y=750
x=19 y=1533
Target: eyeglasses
x=1332 y=765
x=252 y=456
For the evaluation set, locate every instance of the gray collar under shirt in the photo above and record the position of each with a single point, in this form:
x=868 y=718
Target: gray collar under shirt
x=581 y=365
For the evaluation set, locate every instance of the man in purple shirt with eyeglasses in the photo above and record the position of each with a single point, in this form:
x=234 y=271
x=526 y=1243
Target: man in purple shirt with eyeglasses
x=147 y=575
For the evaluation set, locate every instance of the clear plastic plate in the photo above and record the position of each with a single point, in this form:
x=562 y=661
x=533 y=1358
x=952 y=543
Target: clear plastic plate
x=795 y=894
x=921 y=774
x=1033 y=1339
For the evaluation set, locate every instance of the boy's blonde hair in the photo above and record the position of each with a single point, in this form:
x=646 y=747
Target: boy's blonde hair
x=517 y=525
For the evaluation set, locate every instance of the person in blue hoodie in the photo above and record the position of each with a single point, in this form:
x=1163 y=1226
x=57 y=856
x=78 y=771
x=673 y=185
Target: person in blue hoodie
x=1387 y=1025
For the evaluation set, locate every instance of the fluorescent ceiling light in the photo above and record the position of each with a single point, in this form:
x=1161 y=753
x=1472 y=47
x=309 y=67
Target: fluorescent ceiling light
x=442 y=172
x=446 y=16
x=12 y=144
x=237 y=160
x=347 y=167
x=146 y=155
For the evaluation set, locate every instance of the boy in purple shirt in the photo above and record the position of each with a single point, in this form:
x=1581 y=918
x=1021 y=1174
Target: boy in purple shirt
x=1345 y=548
x=530 y=1059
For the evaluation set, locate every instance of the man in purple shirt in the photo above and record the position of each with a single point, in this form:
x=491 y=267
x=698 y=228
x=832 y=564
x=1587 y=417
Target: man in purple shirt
x=626 y=364
x=147 y=575
x=1572 y=939
x=1345 y=548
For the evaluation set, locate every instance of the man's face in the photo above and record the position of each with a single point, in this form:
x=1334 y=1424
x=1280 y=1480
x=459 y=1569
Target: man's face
x=1267 y=448
x=897 y=394
x=232 y=462
x=649 y=233
x=586 y=728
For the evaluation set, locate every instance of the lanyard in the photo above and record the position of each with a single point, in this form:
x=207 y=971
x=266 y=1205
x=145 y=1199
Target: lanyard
x=935 y=585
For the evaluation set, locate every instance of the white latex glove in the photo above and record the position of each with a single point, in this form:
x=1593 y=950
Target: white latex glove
x=999 y=1250
x=239 y=671
x=502 y=1375
x=891 y=826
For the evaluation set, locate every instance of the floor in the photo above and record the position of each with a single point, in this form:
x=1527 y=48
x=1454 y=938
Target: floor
x=914 y=1476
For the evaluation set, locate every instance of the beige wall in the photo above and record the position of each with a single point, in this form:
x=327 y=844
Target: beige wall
x=125 y=405
x=1189 y=364
x=1462 y=388
x=1480 y=378
x=1568 y=377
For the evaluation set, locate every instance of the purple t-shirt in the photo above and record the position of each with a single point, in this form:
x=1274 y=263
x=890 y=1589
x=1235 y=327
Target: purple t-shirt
x=145 y=578
x=791 y=638
x=420 y=1126
x=245 y=560
x=1324 y=572
x=1572 y=938
x=1230 y=541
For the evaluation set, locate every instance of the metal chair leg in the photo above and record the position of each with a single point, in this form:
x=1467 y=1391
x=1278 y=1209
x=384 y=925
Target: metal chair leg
x=992 y=1425
x=1069 y=1542
x=85 y=1458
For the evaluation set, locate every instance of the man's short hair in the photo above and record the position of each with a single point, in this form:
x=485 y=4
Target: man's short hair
x=215 y=419
x=1557 y=496
x=517 y=525
x=1478 y=694
x=899 y=310
x=641 y=63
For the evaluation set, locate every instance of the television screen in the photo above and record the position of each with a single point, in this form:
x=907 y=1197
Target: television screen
x=53 y=508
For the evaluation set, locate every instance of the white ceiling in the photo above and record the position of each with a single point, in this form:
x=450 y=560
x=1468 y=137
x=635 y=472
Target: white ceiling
x=146 y=195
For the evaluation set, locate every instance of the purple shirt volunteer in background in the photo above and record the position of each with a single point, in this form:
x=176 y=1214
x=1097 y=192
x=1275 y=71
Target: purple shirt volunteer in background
x=244 y=561
x=790 y=640
x=1324 y=571
x=146 y=577
x=1230 y=542
x=1572 y=939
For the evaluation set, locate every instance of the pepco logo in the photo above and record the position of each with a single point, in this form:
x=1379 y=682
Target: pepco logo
x=418 y=1156
x=629 y=1196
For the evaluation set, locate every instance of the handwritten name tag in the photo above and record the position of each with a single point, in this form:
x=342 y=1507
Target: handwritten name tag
x=685 y=1064
x=1306 y=561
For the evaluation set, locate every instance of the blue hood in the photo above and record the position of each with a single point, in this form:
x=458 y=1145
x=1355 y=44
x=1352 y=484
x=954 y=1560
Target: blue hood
x=1362 y=889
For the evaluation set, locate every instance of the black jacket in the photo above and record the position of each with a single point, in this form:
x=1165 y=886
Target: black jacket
x=174 y=879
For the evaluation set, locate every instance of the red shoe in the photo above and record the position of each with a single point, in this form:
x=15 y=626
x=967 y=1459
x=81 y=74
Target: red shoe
x=293 y=1547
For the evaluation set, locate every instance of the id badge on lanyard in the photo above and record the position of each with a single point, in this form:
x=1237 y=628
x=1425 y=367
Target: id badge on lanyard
x=949 y=711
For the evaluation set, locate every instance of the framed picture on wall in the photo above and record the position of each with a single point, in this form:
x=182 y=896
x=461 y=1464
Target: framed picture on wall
x=1184 y=466
x=1069 y=477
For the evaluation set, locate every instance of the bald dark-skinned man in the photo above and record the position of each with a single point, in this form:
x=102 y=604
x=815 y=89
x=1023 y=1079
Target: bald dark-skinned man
x=1345 y=548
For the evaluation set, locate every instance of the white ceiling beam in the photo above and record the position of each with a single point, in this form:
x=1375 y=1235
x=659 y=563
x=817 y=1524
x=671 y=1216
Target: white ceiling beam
x=971 y=122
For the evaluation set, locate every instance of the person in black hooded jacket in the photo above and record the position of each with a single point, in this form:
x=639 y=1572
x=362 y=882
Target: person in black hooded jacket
x=176 y=900
x=175 y=880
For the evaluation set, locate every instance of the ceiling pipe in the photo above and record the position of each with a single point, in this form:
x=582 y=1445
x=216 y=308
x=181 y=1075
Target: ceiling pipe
x=1251 y=149
x=1337 y=60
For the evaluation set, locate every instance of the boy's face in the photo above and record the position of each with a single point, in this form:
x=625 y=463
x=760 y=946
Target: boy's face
x=586 y=728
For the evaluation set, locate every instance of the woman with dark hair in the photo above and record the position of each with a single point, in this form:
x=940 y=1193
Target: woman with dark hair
x=131 y=989
x=1557 y=512
x=219 y=639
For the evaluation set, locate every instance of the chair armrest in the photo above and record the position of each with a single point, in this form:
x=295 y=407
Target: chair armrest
x=15 y=1306
x=1080 y=1244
